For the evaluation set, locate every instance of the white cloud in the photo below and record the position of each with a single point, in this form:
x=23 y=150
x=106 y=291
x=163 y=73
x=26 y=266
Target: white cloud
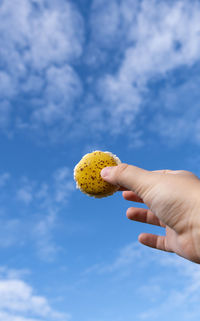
x=4 y=178
x=133 y=45
x=8 y=273
x=169 y=284
x=7 y=89
x=51 y=201
x=42 y=192
x=127 y=256
x=4 y=316
x=10 y=232
x=42 y=233
x=176 y=122
x=18 y=302
x=62 y=88
x=5 y=112
x=152 y=39
x=25 y=195
x=63 y=184
x=122 y=103
x=38 y=207
x=38 y=44
x=184 y=290
x=40 y=35
x=107 y=15
x=55 y=191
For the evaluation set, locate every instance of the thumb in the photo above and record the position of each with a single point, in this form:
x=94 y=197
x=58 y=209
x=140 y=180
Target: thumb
x=128 y=176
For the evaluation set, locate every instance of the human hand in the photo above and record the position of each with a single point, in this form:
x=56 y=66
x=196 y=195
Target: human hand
x=173 y=199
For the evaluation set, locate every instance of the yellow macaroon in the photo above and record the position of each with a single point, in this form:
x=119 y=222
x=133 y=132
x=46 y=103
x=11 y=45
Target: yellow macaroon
x=87 y=174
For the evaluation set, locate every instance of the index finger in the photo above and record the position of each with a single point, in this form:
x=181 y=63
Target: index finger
x=131 y=196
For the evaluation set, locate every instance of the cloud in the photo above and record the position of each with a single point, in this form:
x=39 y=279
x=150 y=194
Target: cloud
x=39 y=41
x=108 y=16
x=42 y=234
x=40 y=34
x=4 y=316
x=18 y=302
x=127 y=256
x=184 y=293
x=51 y=202
x=165 y=292
x=55 y=191
x=149 y=40
x=4 y=178
x=179 y=118
x=10 y=232
x=8 y=273
x=7 y=89
x=5 y=111
x=65 y=85
x=169 y=285
x=63 y=184
x=25 y=195
x=62 y=88
x=122 y=264
x=38 y=204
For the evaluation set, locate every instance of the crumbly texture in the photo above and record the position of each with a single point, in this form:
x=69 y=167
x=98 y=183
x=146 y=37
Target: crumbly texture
x=87 y=174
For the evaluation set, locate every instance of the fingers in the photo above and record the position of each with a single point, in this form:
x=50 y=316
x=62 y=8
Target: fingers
x=155 y=241
x=130 y=177
x=143 y=215
x=131 y=196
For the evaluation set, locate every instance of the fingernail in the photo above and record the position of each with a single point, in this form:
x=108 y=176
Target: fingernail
x=105 y=172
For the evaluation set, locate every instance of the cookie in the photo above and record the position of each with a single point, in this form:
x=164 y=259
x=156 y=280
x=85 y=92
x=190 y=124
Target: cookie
x=87 y=174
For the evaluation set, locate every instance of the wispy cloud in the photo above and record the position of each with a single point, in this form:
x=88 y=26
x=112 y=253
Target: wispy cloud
x=165 y=292
x=4 y=178
x=38 y=206
x=10 y=232
x=18 y=301
x=126 y=257
x=55 y=191
x=155 y=39
x=24 y=193
x=49 y=199
x=184 y=294
x=36 y=61
x=63 y=85
x=62 y=88
x=63 y=184
x=179 y=119
x=42 y=234
x=41 y=35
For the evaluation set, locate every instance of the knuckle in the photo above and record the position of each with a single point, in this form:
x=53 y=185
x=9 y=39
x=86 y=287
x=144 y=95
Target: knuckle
x=119 y=173
x=167 y=171
x=121 y=168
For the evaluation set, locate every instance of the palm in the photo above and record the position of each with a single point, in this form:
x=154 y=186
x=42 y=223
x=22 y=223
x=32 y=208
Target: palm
x=170 y=242
x=173 y=201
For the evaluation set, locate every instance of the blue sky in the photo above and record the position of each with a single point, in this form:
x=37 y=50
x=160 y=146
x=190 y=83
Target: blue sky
x=77 y=76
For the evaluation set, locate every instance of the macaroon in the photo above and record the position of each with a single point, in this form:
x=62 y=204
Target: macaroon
x=87 y=174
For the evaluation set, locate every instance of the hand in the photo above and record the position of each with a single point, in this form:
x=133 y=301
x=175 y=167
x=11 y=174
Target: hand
x=173 y=199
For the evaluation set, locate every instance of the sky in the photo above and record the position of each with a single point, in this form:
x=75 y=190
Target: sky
x=78 y=76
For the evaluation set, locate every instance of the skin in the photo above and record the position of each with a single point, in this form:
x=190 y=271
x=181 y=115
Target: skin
x=173 y=201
